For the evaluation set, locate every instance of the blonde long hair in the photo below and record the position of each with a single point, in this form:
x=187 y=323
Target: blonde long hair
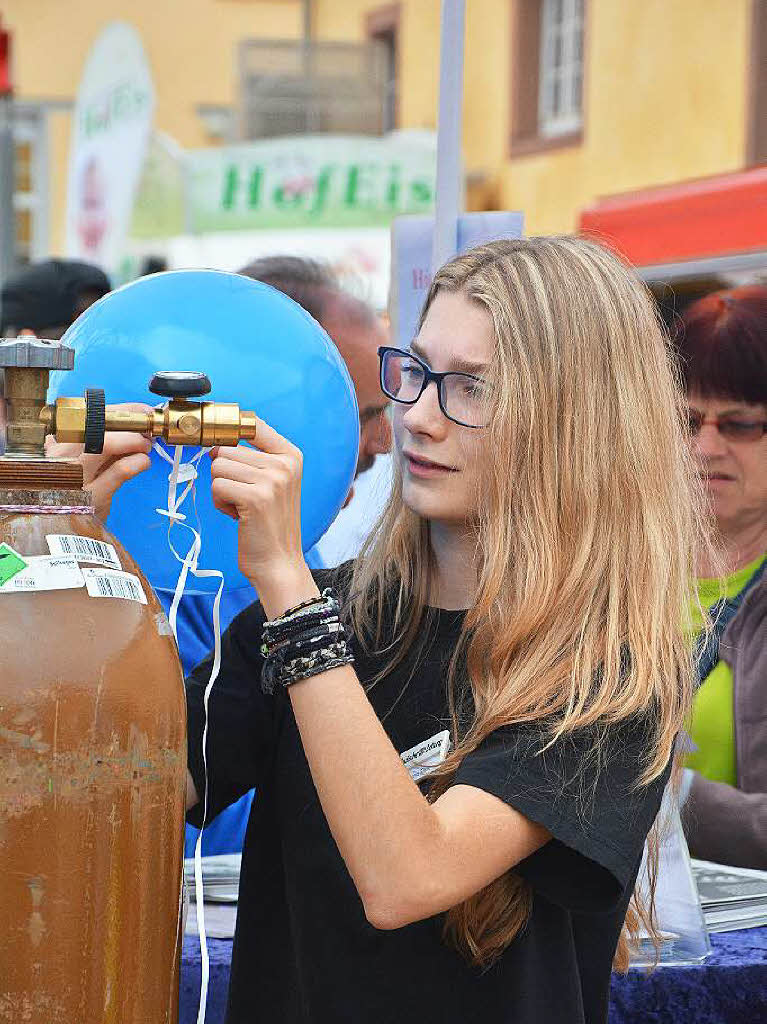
x=585 y=542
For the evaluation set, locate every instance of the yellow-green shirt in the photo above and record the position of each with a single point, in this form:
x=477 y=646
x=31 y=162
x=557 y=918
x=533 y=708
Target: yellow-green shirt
x=713 y=724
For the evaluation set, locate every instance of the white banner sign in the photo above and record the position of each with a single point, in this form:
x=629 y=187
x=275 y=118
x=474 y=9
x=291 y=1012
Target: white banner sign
x=110 y=134
x=412 y=247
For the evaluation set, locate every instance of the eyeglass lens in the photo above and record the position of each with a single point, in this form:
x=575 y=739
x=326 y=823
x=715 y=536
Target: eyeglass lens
x=732 y=428
x=463 y=396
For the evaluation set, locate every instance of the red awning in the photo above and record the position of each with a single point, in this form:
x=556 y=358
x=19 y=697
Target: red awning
x=692 y=220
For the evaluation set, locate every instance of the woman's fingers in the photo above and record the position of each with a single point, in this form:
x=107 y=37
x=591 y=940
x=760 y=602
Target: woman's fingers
x=117 y=446
x=106 y=483
x=117 y=443
x=245 y=472
x=267 y=440
x=249 y=465
x=231 y=496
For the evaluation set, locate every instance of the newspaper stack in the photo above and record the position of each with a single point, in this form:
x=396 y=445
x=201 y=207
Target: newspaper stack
x=220 y=877
x=731 y=898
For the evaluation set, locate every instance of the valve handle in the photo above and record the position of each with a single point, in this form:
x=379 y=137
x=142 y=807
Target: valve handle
x=95 y=421
x=179 y=384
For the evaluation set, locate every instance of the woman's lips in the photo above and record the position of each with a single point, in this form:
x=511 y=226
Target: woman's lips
x=717 y=478
x=425 y=468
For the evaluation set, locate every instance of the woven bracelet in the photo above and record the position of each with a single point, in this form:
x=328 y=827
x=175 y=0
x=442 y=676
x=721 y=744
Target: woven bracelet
x=290 y=665
x=323 y=605
x=321 y=631
x=298 y=625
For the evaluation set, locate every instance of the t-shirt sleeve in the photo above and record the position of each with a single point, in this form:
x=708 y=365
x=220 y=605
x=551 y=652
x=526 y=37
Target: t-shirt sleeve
x=584 y=790
x=240 y=719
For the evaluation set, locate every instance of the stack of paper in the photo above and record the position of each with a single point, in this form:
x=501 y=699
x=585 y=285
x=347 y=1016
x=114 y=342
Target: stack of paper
x=731 y=898
x=220 y=877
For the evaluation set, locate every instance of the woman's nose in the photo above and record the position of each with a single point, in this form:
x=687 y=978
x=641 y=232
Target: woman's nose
x=425 y=414
x=708 y=442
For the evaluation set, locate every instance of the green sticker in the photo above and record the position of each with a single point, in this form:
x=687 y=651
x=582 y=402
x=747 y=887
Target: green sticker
x=11 y=563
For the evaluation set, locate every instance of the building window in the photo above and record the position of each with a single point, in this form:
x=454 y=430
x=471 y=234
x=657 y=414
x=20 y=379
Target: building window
x=382 y=27
x=547 y=73
x=289 y=87
x=561 y=74
x=30 y=196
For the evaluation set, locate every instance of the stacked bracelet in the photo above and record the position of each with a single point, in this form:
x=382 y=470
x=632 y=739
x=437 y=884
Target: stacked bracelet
x=303 y=642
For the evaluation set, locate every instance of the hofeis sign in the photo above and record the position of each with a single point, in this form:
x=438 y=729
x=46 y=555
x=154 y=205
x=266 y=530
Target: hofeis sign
x=110 y=133
x=321 y=181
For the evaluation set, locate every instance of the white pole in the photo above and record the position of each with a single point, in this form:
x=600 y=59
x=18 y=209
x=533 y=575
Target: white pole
x=449 y=132
x=7 y=217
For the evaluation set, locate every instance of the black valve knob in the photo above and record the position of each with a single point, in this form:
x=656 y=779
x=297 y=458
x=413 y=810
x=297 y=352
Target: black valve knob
x=95 y=421
x=180 y=384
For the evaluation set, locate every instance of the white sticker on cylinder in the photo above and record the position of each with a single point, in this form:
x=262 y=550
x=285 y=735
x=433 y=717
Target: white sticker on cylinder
x=110 y=583
x=45 y=572
x=84 y=549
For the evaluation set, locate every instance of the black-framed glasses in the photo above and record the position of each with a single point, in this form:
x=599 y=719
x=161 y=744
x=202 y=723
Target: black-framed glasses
x=740 y=429
x=462 y=396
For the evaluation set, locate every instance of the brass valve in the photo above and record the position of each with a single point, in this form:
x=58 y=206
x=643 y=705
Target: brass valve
x=27 y=362
x=178 y=422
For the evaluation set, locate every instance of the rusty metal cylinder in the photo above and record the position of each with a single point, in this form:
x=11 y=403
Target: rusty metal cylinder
x=92 y=768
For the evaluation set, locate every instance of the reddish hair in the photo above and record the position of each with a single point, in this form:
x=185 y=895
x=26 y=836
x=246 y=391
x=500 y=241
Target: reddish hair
x=722 y=345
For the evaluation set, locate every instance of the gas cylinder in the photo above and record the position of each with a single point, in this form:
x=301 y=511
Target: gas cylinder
x=92 y=747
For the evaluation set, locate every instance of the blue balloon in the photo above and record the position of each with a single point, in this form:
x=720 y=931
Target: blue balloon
x=259 y=349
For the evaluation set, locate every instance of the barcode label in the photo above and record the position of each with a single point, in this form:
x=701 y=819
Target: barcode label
x=109 y=583
x=84 y=549
x=45 y=572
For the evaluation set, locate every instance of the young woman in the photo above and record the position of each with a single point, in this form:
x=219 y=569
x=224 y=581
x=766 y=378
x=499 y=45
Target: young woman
x=449 y=828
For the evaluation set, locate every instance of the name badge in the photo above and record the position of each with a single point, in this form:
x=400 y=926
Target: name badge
x=421 y=759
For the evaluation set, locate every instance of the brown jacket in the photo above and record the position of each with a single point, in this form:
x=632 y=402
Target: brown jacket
x=724 y=823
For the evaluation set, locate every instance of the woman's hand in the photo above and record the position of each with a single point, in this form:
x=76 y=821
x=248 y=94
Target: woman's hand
x=125 y=455
x=260 y=487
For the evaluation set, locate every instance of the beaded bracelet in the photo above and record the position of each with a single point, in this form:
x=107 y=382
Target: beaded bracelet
x=319 y=632
x=317 y=607
x=287 y=668
x=306 y=640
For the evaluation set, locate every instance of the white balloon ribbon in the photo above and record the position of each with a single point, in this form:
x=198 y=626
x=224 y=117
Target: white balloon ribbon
x=186 y=473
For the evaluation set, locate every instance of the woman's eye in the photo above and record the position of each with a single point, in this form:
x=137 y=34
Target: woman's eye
x=741 y=426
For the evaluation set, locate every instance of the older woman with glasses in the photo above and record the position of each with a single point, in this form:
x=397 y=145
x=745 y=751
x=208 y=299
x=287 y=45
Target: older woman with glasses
x=723 y=349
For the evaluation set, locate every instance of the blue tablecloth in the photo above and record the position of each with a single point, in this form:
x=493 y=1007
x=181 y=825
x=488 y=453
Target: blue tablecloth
x=729 y=988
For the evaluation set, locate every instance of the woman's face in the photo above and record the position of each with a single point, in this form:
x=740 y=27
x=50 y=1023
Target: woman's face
x=441 y=460
x=734 y=473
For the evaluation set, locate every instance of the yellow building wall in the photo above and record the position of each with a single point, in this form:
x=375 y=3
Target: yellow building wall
x=665 y=91
x=665 y=98
x=665 y=101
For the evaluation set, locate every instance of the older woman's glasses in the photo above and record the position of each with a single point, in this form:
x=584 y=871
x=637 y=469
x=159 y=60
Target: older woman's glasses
x=462 y=396
x=739 y=429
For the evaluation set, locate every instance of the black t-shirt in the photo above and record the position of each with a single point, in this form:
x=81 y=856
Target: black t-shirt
x=304 y=951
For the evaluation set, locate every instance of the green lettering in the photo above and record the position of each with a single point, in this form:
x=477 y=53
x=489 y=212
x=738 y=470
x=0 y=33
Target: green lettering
x=393 y=187
x=420 y=193
x=231 y=186
x=359 y=187
x=254 y=188
x=321 y=190
x=286 y=200
x=121 y=102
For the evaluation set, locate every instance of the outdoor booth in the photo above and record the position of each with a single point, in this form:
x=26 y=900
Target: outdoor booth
x=691 y=238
